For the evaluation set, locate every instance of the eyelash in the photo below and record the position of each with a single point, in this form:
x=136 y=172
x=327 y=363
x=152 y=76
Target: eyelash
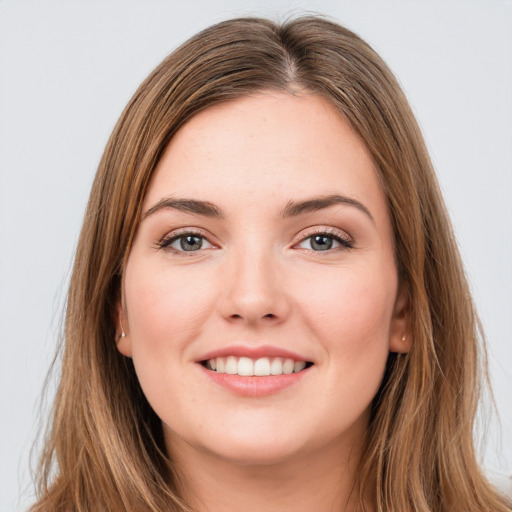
x=166 y=242
x=344 y=241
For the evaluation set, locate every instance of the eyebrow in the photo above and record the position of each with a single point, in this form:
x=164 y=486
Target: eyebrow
x=314 y=204
x=186 y=205
x=292 y=209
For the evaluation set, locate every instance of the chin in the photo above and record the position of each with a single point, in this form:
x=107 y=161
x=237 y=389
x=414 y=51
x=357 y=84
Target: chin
x=257 y=453
x=261 y=446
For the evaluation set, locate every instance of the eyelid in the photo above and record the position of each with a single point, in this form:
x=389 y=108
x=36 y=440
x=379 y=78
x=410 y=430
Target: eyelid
x=346 y=240
x=166 y=241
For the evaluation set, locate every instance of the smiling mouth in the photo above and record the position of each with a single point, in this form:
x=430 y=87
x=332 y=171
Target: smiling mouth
x=248 y=367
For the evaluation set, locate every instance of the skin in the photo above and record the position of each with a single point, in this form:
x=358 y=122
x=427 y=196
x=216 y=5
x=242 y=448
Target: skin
x=257 y=280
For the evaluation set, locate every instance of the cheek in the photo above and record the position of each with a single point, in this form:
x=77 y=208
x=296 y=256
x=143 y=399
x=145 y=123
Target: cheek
x=165 y=308
x=166 y=312
x=350 y=317
x=354 y=304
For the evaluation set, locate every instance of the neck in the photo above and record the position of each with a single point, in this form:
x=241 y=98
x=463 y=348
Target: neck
x=320 y=480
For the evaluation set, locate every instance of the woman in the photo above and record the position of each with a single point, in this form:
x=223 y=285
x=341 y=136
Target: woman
x=267 y=308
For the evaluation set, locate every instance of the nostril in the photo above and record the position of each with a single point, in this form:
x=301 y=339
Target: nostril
x=237 y=316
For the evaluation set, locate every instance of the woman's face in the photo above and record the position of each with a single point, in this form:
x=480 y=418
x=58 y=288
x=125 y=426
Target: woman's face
x=265 y=247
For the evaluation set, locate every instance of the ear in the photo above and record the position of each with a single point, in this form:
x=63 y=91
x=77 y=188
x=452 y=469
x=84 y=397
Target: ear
x=123 y=339
x=400 y=337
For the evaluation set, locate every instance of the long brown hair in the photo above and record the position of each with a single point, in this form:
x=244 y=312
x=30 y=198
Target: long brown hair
x=105 y=449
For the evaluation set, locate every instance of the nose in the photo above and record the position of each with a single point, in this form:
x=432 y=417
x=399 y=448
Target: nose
x=252 y=289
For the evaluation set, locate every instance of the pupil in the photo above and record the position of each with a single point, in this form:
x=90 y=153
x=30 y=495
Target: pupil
x=191 y=243
x=321 y=243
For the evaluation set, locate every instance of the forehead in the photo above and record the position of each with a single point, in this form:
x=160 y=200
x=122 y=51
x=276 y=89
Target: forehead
x=267 y=147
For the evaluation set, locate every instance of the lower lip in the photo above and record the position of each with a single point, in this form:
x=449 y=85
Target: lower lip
x=254 y=386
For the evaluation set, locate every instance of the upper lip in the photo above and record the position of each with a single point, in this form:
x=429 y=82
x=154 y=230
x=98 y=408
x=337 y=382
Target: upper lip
x=253 y=352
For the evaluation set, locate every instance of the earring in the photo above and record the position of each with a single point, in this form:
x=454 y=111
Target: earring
x=404 y=337
x=122 y=335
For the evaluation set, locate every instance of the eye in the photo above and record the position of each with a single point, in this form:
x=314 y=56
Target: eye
x=186 y=242
x=324 y=242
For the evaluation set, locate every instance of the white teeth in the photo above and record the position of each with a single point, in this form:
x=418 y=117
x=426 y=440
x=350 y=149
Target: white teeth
x=276 y=366
x=288 y=366
x=298 y=366
x=245 y=366
x=231 y=365
x=262 y=367
x=248 y=367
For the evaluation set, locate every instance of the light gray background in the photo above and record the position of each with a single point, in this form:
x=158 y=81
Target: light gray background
x=68 y=68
